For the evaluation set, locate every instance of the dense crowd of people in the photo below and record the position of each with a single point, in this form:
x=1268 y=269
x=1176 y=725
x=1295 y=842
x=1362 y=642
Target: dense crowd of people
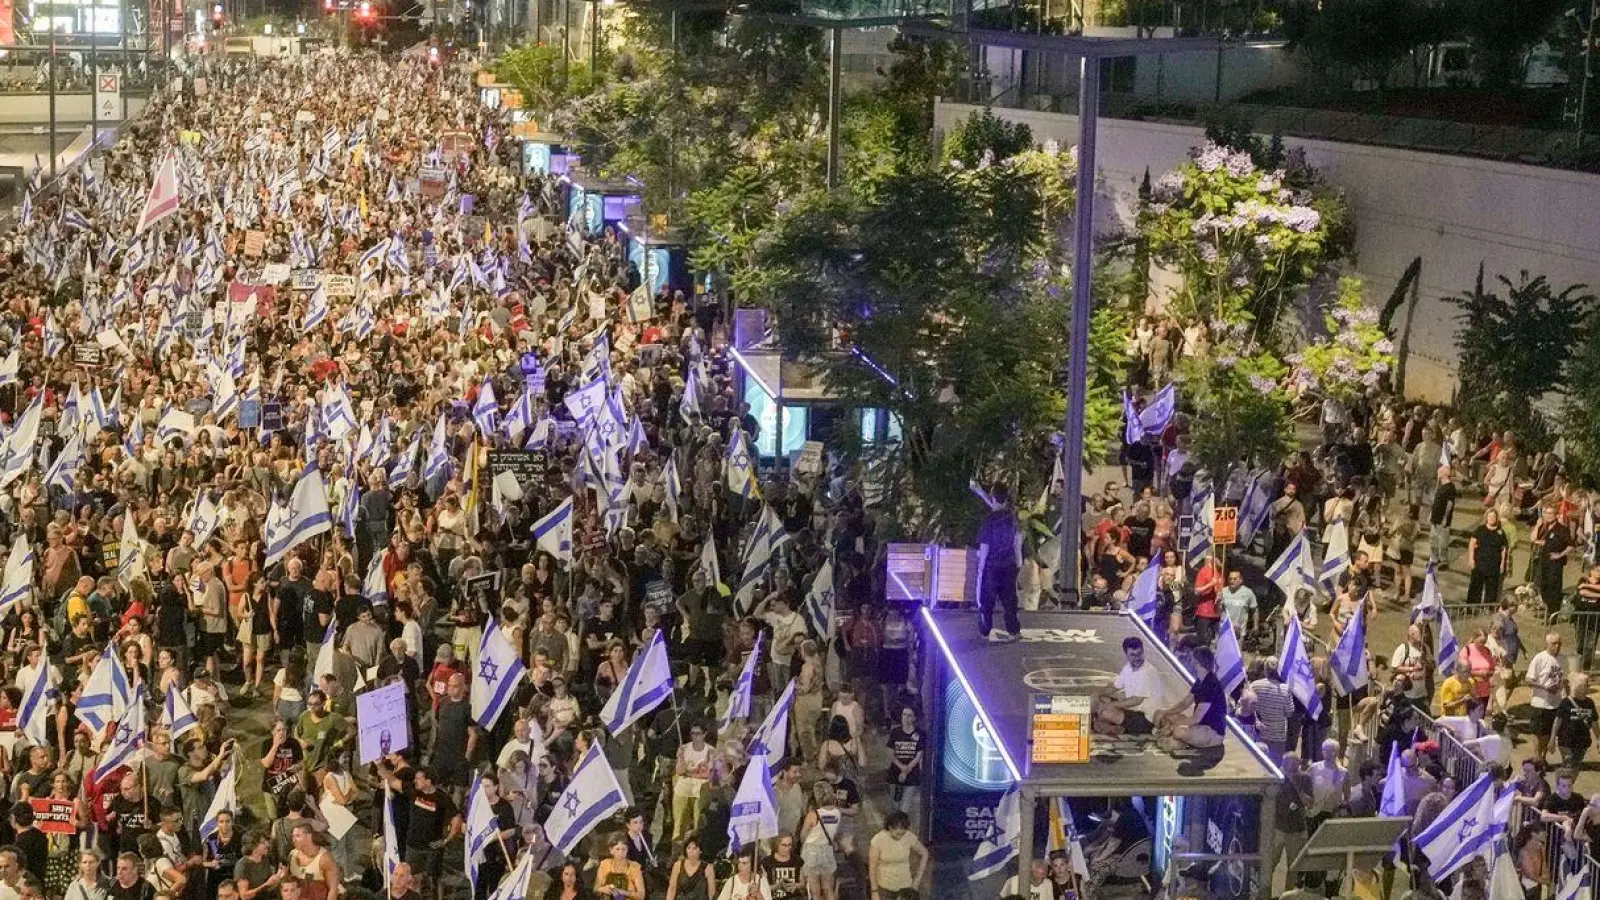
x=165 y=570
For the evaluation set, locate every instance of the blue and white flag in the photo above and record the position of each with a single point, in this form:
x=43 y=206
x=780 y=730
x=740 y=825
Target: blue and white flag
x=106 y=696
x=1158 y=411
x=1445 y=454
x=325 y=653
x=739 y=697
x=1132 y=429
x=1336 y=558
x=1430 y=604
x=1577 y=885
x=486 y=409
x=338 y=413
x=391 y=837
x=771 y=740
x=1295 y=669
x=438 y=451
x=11 y=367
x=349 y=506
x=1294 y=569
x=673 y=486
x=587 y=400
x=39 y=698
x=999 y=847
x=1254 y=510
x=591 y=797
x=1464 y=828
x=400 y=467
x=1230 y=661
x=818 y=604
x=317 y=308
x=1200 y=545
x=519 y=419
x=375 y=587
x=127 y=740
x=225 y=799
x=754 y=814
x=1393 y=800
x=177 y=716
x=481 y=829
x=63 y=470
x=1447 y=648
x=553 y=532
x=1348 y=661
x=740 y=466
x=647 y=684
x=1142 y=597
x=499 y=672
x=308 y=515
x=515 y=885
x=760 y=557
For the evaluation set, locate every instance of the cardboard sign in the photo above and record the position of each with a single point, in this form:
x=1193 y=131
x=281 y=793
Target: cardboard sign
x=305 y=279
x=272 y=416
x=810 y=459
x=194 y=323
x=89 y=355
x=1225 y=525
x=52 y=816
x=249 y=413
x=254 y=242
x=382 y=726
x=339 y=285
x=431 y=182
x=275 y=273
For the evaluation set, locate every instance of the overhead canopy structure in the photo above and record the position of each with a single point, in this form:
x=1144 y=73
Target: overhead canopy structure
x=1012 y=711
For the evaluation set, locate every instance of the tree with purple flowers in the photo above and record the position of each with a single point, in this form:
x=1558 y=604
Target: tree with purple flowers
x=1245 y=241
x=1355 y=357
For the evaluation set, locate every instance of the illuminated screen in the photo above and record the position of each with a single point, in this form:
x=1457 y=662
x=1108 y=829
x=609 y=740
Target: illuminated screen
x=971 y=757
x=795 y=421
x=594 y=208
x=575 y=205
x=536 y=157
x=618 y=205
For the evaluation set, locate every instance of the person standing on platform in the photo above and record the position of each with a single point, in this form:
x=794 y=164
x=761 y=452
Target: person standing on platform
x=1000 y=547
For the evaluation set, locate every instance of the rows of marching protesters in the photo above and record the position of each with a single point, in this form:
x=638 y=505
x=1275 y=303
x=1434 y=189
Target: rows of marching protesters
x=1364 y=626
x=278 y=626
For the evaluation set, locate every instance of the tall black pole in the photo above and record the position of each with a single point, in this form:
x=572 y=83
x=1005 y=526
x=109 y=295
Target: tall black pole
x=52 y=72
x=1078 y=352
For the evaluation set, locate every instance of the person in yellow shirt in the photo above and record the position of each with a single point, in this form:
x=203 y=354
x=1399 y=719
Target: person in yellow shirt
x=1454 y=692
x=78 y=600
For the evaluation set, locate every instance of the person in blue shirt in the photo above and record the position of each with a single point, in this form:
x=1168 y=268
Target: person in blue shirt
x=1199 y=719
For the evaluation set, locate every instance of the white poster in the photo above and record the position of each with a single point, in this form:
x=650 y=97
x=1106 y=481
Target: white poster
x=381 y=721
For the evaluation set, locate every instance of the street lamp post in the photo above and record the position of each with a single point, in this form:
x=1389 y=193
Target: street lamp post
x=1078 y=350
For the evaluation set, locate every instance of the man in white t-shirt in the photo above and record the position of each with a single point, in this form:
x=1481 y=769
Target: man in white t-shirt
x=1411 y=660
x=1547 y=677
x=1134 y=698
x=1039 y=887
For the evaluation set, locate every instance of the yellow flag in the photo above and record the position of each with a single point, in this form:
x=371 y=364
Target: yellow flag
x=488 y=232
x=361 y=206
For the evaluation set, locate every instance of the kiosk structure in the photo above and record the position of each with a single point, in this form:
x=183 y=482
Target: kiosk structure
x=1028 y=714
x=595 y=204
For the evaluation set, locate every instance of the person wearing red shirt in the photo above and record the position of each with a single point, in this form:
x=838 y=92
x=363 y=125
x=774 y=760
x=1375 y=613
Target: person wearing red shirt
x=445 y=665
x=1207 y=590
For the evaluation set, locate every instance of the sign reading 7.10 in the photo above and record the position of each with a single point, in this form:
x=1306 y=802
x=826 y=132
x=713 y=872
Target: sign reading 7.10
x=1225 y=525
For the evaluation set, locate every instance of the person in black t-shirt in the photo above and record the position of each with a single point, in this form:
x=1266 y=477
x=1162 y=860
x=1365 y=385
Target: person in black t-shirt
x=1207 y=723
x=133 y=815
x=1563 y=804
x=287 y=610
x=1577 y=722
x=782 y=869
x=906 y=744
x=32 y=845
x=432 y=822
x=1141 y=529
x=1440 y=514
x=1489 y=556
x=128 y=885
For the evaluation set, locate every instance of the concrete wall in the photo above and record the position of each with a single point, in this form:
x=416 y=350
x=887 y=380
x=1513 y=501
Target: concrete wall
x=34 y=109
x=1452 y=211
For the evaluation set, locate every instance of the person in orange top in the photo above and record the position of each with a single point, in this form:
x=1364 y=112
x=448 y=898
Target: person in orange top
x=1207 y=590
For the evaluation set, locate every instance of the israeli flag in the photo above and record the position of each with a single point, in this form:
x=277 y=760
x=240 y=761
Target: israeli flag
x=591 y=797
x=771 y=740
x=1393 y=801
x=127 y=740
x=391 y=838
x=176 y=715
x=106 y=696
x=338 y=413
x=18 y=573
x=674 y=487
x=482 y=827
x=1132 y=428
x=226 y=798
x=39 y=699
x=438 y=451
x=16 y=455
x=316 y=308
x=1447 y=648
x=375 y=587
x=1230 y=661
x=760 y=556
x=400 y=469
x=647 y=684
x=520 y=418
x=1000 y=846
x=308 y=515
x=349 y=505
x=710 y=564
x=1200 y=532
x=1295 y=669
x=739 y=697
x=539 y=438
x=1430 y=604
x=754 y=814
x=689 y=405
x=54 y=341
x=515 y=885
x=1142 y=597
x=1348 y=661
x=1577 y=885
x=499 y=672
x=553 y=533
x=1293 y=568
x=740 y=467
x=130 y=551
x=1254 y=511
x=587 y=400
x=63 y=471
x=324 y=664
x=1445 y=454
x=11 y=367
x=818 y=605
x=1465 y=827
x=1337 y=557
x=372 y=260
x=485 y=409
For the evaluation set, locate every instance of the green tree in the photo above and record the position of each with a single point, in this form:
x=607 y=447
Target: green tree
x=1514 y=347
x=1239 y=408
x=1368 y=36
x=985 y=134
x=1580 y=413
x=1353 y=358
x=1502 y=31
